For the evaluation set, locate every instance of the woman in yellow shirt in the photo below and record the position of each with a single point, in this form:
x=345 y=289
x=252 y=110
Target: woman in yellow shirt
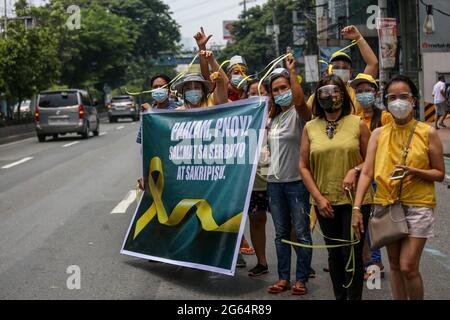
x=332 y=152
x=424 y=166
x=366 y=89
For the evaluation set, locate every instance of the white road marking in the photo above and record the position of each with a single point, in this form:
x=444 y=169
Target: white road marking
x=103 y=134
x=17 y=163
x=120 y=128
x=16 y=142
x=125 y=203
x=71 y=144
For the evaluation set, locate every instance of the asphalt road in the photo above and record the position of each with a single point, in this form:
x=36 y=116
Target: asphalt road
x=56 y=205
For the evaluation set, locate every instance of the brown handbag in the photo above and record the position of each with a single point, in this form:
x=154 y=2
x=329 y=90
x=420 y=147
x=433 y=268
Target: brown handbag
x=388 y=224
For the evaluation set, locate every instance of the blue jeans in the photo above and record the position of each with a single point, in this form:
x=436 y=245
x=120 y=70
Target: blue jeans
x=289 y=206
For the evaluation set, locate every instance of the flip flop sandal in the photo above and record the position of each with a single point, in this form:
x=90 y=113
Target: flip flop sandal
x=248 y=251
x=299 y=290
x=276 y=288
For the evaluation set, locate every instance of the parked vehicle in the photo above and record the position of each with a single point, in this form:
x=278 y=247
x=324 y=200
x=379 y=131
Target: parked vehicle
x=122 y=107
x=66 y=111
x=25 y=107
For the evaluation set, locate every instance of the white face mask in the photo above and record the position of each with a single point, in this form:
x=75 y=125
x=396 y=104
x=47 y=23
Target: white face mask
x=344 y=74
x=400 y=109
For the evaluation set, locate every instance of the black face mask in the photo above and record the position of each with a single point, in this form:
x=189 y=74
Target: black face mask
x=331 y=104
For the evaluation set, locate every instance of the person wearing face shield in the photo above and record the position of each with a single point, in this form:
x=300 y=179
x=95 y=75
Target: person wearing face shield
x=198 y=92
x=423 y=167
x=288 y=197
x=332 y=152
x=341 y=64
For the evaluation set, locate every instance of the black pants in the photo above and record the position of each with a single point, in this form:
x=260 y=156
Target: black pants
x=339 y=228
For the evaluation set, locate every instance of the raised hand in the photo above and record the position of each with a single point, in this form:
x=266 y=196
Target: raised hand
x=290 y=62
x=351 y=33
x=202 y=39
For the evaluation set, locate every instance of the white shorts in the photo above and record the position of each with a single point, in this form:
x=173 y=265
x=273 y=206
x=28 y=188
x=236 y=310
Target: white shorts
x=420 y=221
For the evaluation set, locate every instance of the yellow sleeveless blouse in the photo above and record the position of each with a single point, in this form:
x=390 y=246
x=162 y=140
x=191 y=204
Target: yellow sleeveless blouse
x=391 y=145
x=331 y=159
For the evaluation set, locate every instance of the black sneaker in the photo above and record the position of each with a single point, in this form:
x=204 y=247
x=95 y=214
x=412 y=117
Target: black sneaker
x=312 y=273
x=240 y=262
x=258 y=270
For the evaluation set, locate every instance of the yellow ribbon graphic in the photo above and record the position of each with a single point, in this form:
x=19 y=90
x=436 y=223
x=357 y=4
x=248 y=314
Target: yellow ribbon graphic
x=203 y=209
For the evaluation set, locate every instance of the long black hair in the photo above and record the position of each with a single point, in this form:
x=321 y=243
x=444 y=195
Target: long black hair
x=347 y=104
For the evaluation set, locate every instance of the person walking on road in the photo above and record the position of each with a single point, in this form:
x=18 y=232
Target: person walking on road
x=424 y=166
x=332 y=152
x=288 y=196
x=440 y=102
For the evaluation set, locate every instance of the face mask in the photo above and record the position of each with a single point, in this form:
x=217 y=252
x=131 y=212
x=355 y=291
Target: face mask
x=331 y=103
x=193 y=96
x=236 y=79
x=343 y=74
x=160 y=94
x=284 y=99
x=366 y=99
x=400 y=109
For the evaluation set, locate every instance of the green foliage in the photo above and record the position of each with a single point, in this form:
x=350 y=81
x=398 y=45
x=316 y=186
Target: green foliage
x=251 y=40
x=115 y=44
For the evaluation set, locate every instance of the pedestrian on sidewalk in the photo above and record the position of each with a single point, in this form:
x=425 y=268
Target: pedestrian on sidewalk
x=288 y=196
x=333 y=149
x=424 y=166
x=440 y=102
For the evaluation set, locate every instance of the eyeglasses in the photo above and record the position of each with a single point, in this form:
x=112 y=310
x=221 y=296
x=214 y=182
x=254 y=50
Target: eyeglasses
x=329 y=90
x=402 y=96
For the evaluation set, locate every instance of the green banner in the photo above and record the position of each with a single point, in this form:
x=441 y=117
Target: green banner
x=199 y=167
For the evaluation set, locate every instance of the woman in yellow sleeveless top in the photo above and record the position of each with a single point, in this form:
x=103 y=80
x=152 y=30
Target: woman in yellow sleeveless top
x=424 y=166
x=332 y=151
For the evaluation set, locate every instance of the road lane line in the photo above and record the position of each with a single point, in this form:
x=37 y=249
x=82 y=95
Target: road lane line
x=70 y=144
x=103 y=134
x=120 y=128
x=16 y=142
x=17 y=163
x=125 y=203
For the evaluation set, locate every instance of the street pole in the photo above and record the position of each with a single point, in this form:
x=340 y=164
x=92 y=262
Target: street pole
x=382 y=4
x=5 y=28
x=275 y=31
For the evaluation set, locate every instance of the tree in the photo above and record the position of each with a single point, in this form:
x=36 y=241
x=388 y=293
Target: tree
x=29 y=60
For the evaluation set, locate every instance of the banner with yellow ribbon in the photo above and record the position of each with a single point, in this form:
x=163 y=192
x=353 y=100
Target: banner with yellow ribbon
x=198 y=167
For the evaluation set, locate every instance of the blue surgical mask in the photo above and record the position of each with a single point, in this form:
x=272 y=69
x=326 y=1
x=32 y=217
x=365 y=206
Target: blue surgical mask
x=193 y=96
x=236 y=79
x=284 y=99
x=160 y=94
x=366 y=99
